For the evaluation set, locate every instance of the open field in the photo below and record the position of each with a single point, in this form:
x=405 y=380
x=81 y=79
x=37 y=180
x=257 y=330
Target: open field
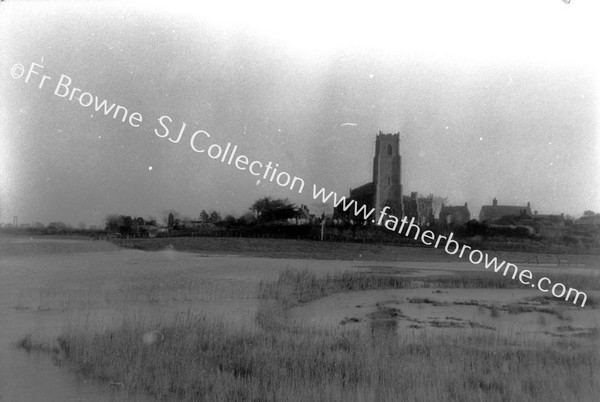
x=210 y=325
x=315 y=250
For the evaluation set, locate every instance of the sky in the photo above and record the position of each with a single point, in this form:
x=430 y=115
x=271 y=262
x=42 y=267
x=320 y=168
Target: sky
x=491 y=99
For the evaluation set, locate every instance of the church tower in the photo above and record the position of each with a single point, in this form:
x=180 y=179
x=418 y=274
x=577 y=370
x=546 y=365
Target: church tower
x=387 y=177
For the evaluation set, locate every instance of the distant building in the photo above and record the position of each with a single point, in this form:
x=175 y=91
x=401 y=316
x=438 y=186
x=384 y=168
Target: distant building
x=364 y=195
x=452 y=216
x=302 y=216
x=494 y=212
x=549 y=219
x=303 y=212
x=587 y=224
x=419 y=208
x=148 y=230
x=386 y=187
x=588 y=220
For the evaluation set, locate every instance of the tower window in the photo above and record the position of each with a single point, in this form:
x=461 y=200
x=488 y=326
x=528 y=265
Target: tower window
x=389 y=149
x=389 y=180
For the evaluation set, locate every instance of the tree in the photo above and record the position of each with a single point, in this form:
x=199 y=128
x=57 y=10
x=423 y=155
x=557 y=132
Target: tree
x=185 y=221
x=267 y=209
x=588 y=213
x=229 y=221
x=113 y=223
x=126 y=227
x=204 y=217
x=215 y=217
x=127 y=221
x=246 y=219
x=57 y=225
x=261 y=206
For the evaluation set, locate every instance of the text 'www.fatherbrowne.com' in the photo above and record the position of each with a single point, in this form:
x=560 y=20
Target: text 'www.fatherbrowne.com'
x=410 y=229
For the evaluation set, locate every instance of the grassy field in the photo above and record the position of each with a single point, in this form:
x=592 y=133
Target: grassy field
x=203 y=326
x=195 y=359
x=305 y=249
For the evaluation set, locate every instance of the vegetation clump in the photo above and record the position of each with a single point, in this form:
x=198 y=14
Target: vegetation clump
x=203 y=359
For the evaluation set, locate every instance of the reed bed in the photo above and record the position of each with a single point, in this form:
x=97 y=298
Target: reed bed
x=193 y=358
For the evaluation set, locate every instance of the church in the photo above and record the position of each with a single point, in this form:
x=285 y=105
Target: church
x=386 y=187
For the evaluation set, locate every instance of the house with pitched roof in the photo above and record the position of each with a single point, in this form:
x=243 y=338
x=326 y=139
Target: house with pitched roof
x=451 y=216
x=494 y=212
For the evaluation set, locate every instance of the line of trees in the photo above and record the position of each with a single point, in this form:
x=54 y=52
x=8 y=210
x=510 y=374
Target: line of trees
x=268 y=210
x=263 y=210
x=127 y=225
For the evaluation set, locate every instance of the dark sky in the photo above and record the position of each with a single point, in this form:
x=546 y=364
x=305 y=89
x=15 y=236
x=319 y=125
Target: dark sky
x=490 y=102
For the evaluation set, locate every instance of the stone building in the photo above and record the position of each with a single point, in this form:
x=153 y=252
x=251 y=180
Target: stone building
x=420 y=208
x=453 y=216
x=494 y=212
x=386 y=187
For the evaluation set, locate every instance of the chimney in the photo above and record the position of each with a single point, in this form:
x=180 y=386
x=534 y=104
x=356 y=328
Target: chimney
x=528 y=205
x=465 y=204
x=495 y=202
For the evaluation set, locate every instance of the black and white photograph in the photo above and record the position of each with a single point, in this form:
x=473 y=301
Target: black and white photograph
x=299 y=201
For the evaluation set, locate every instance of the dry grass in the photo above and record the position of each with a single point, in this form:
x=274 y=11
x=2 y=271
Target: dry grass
x=558 y=311
x=294 y=287
x=207 y=360
x=198 y=359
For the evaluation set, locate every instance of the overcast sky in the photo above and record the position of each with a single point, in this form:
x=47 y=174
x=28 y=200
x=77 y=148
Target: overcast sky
x=491 y=99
